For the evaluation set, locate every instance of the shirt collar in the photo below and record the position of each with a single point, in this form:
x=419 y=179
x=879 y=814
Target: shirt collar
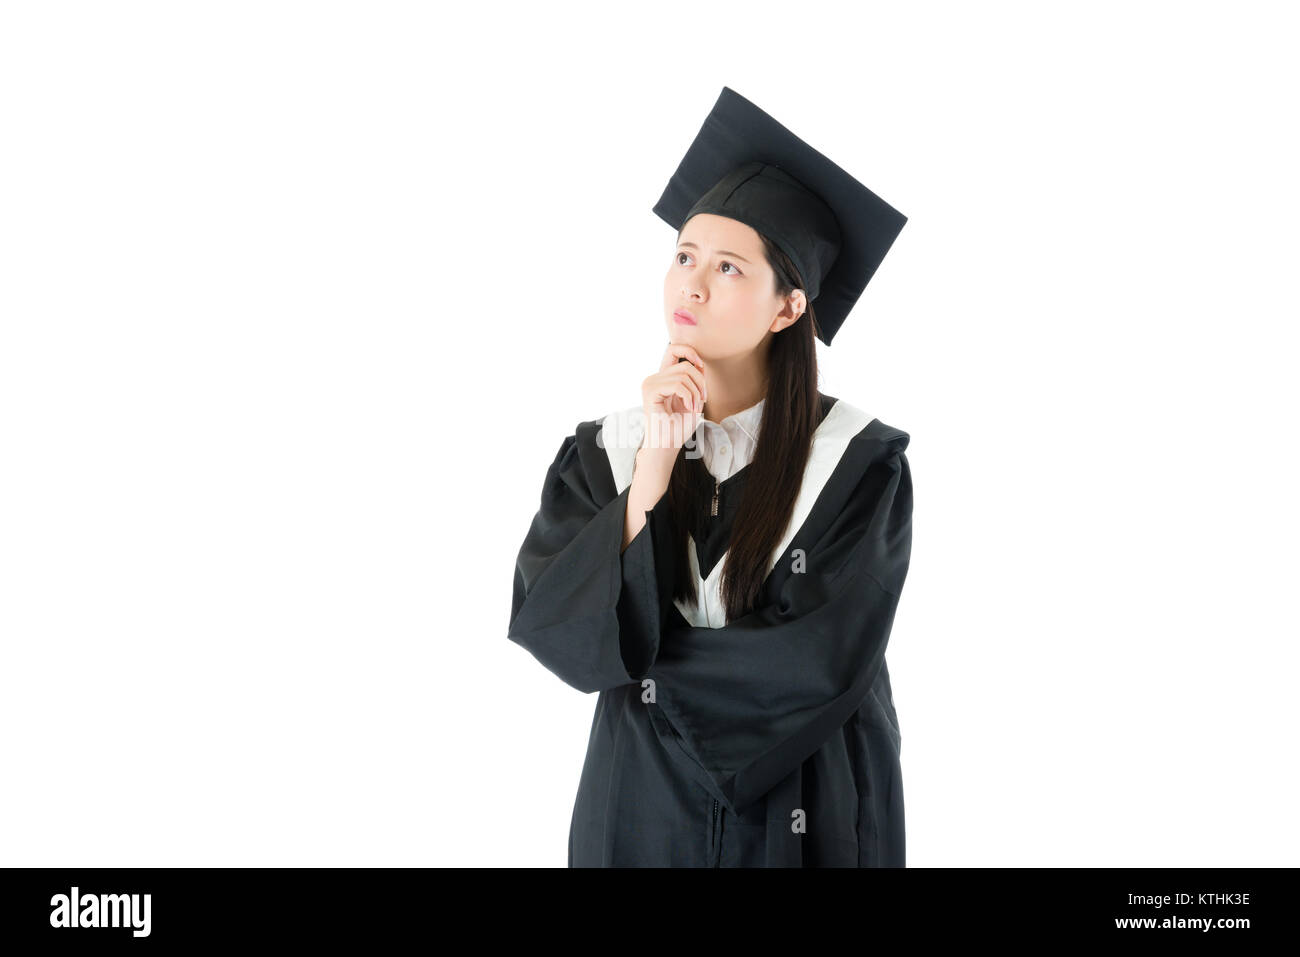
x=740 y=424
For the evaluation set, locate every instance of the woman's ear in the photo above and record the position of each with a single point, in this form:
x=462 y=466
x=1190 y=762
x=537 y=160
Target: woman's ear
x=795 y=306
x=799 y=302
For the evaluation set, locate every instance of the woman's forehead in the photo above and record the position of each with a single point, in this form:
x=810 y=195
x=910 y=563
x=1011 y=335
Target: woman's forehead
x=709 y=230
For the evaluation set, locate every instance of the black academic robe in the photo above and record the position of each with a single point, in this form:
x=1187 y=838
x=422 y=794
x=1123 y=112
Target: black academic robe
x=767 y=741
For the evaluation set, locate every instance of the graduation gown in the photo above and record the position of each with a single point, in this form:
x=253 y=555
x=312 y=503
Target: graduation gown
x=767 y=741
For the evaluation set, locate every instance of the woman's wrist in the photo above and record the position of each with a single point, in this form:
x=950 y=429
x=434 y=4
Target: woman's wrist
x=658 y=461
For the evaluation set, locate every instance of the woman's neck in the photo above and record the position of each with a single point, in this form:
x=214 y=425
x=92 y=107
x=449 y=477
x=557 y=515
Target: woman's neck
x=733 y=387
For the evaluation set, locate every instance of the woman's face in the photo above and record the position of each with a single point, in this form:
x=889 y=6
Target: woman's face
x=719 y=274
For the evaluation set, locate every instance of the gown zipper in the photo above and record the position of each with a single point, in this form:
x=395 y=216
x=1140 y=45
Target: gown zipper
x=717 y=849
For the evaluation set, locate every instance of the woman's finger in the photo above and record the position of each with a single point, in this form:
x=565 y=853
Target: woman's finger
x=678 y=388
x=677 y=351
x=689 y=367
x=687 y=373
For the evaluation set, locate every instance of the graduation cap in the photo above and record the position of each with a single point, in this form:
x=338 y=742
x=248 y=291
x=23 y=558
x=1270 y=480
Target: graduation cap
x=745 y=165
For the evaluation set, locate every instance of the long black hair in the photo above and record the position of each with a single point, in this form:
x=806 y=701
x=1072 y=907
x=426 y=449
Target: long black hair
x=791 y=414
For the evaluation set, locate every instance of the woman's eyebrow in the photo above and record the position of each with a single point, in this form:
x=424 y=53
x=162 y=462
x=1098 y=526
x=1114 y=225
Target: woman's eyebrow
x=721 y=252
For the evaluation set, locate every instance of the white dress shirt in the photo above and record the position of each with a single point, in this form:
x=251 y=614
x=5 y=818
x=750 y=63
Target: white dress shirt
x=728 y=446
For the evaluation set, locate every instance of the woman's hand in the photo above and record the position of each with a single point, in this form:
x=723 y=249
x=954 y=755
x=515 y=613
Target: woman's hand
x=673 y=398
x=672 y=401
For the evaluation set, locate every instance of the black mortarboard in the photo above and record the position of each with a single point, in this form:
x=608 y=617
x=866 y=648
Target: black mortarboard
x=745 y=165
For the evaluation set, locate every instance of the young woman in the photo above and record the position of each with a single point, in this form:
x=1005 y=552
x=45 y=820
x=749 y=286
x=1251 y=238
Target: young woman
x=722 y=563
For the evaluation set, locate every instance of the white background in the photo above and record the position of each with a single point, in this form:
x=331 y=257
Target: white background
x=299 y=301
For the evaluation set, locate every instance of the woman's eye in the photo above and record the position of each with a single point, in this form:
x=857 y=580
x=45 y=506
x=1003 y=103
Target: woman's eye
x=725 y=265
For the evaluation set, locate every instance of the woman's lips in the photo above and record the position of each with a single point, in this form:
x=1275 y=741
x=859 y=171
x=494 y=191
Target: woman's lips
x=685 y=318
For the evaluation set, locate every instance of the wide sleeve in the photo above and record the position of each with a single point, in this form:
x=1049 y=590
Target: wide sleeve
x=584 y=608
x=755 y=698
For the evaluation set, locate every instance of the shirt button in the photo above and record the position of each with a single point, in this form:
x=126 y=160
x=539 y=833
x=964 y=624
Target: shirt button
x=724 y=450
